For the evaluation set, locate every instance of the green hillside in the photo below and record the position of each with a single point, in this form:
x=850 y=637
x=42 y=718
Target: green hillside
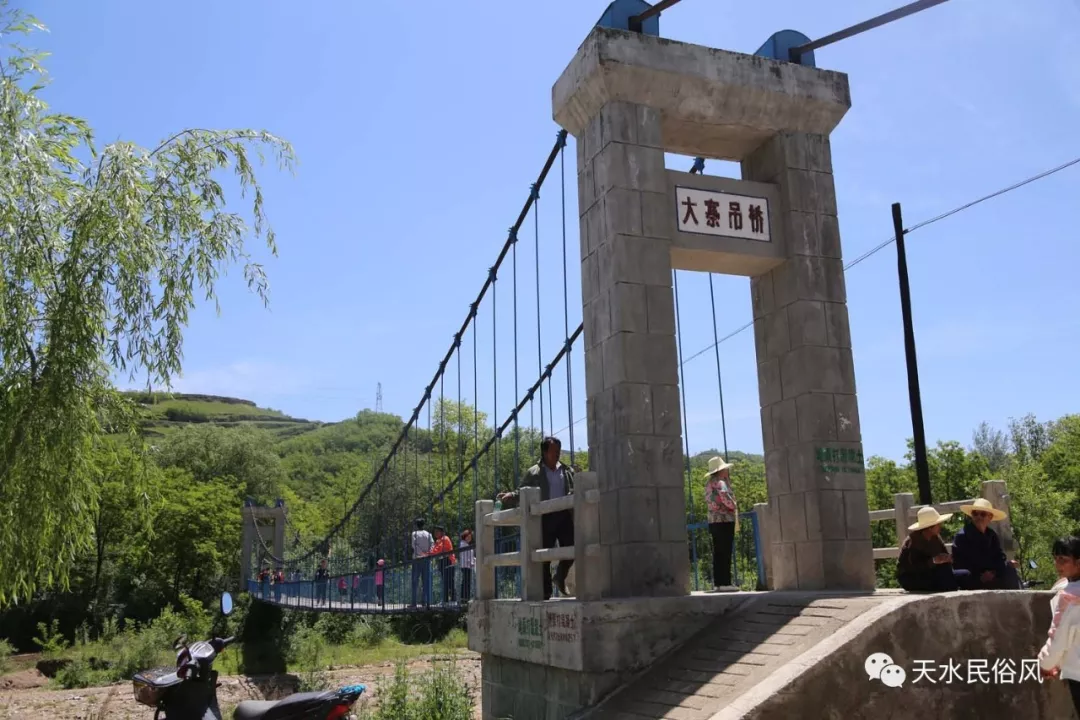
x=163 y=413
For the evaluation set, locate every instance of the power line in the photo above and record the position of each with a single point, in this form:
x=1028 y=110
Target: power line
x=917 y=226
x=881 y=246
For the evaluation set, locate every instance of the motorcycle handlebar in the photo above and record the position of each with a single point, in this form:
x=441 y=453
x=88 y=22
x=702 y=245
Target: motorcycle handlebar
x=220 y=644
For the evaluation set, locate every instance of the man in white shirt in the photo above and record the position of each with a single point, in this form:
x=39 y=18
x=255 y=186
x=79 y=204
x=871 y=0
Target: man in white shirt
x=421 y=565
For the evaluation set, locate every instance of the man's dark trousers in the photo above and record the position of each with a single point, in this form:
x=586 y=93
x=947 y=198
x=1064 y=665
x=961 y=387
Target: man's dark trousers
x=1006 y=579
x=939 y=578
x=558 y=526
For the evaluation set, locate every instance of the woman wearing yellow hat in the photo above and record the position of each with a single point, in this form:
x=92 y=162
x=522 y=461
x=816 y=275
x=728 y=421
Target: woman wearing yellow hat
x=723 y=521
x=925 y=564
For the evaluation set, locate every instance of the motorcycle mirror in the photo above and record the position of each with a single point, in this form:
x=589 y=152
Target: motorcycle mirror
x=179 y=642
x=226 y=603
x=1032 y=565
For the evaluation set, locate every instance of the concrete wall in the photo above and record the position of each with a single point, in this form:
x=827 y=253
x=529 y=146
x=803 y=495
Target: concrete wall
x=545 y=660
x=830 y=682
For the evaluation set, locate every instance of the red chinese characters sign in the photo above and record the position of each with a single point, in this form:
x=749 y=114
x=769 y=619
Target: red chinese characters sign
x=706 y=212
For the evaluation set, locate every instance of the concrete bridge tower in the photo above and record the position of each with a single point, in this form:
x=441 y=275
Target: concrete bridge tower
x=627 y=98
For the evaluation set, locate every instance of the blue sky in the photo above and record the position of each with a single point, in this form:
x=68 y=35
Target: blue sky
x=419 y=131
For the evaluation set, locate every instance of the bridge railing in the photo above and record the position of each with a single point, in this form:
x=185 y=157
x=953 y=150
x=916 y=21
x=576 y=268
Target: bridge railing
x=443 y=581
x=530 y=553
x=507 y=563
x=904 y=512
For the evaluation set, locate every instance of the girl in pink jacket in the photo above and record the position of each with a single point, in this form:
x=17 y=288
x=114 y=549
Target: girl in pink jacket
x=1060 y=656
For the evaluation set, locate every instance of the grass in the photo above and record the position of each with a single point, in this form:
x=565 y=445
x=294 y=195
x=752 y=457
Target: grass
x=213 y=410
x=391 y=650
x=128 y=653
x=164 y=413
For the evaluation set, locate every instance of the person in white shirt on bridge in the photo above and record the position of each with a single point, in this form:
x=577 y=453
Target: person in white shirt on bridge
x=421 y=565
x=466 y=561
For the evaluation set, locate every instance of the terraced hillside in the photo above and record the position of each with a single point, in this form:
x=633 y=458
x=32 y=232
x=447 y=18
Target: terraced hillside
x=164 y=412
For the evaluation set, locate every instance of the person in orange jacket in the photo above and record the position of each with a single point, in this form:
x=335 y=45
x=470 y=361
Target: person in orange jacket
x=445 y=560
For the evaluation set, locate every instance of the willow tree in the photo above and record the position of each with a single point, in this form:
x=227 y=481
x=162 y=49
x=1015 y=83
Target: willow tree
x=103 y=251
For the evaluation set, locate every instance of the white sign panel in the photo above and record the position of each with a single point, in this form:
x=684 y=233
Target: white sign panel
x=706 y=212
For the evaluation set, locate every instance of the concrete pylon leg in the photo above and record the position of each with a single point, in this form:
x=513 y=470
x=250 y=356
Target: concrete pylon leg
x=806 y=379
x=631 y=362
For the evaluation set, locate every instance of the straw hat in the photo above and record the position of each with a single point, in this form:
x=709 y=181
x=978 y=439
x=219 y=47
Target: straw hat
x=984 y=505
x=929 y=517
x=717 y=464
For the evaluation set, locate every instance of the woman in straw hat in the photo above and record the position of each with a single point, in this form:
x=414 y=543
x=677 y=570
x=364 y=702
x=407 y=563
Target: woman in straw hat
x=723 y=521
x=977 y=549
x=925 y=564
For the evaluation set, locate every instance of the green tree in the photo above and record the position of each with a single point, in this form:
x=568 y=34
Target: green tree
x=196 y=534
x=121 y=517
x=210 y=452
x=102 y=251
x=1061 y=459
x=992 y=444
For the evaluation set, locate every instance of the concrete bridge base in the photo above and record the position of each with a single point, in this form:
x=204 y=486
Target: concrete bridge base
x=553 y=659
x=753 y=656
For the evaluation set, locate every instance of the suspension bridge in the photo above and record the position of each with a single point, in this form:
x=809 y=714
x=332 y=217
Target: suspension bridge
x=506 y=381
x=446 y=458
x=631 y=635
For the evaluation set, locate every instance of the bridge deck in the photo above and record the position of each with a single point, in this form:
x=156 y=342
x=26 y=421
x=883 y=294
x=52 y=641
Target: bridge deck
x=733 y=655
x=366 y=608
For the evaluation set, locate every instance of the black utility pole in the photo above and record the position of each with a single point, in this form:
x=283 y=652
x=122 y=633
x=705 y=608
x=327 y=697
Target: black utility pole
x=922 y=468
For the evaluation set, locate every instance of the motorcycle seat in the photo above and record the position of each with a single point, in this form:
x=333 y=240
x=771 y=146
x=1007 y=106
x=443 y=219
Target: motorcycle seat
x=293 y=706
x=253 y=709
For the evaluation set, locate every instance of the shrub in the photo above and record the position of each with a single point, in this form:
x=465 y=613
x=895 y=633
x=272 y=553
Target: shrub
x=371 y=632
x=336 y=628
x=394 y=701
x=50 y=639
x=196 y=620
x=444 y=695
x=77 y=674
x=184 y=415
x=110 y=628
x=307 y=649
x=440 y=694
x=137 y=650
x=6 y=651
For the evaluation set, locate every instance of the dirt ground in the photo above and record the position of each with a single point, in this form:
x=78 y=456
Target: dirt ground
x=24 y=695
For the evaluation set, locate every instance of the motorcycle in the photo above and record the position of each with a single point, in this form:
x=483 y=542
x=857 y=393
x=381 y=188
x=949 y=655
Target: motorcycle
x=1028 y=584
x=189 y=692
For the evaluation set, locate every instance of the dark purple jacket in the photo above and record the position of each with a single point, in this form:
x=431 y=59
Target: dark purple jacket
x=977 y=552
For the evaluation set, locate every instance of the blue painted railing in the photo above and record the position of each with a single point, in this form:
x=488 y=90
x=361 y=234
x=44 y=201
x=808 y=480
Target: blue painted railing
x=431 y=584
